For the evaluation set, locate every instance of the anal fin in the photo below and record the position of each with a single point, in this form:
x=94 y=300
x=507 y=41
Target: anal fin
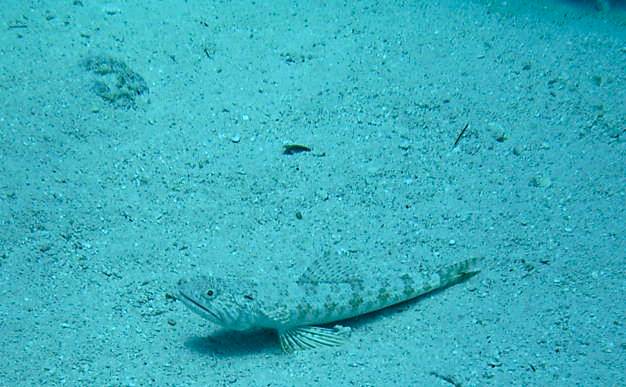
x=310 y=337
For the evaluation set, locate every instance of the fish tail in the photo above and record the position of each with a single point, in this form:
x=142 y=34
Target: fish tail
x=459 y=271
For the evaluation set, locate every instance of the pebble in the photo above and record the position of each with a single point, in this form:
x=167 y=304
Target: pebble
x=322 y=194
x=540 y=181
x=404 y=145
x=497 y=132
x=111 y=9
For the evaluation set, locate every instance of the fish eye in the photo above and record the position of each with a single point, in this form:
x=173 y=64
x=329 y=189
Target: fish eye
x=210 y=293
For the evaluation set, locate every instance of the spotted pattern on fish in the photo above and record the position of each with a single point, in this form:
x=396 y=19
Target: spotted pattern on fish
x=325 y=293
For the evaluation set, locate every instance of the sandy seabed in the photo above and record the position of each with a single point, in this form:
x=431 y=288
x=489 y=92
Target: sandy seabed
x=142 y=142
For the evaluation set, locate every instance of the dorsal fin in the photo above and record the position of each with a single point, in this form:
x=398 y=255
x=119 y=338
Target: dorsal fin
x=328 y=270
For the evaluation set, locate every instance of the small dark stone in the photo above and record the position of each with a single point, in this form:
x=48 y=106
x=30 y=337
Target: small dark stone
x=292 y=149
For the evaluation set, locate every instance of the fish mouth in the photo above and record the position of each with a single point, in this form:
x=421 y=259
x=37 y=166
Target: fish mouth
x=197 y=307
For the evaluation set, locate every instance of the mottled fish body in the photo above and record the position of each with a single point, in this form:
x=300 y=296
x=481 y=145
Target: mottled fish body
x=323 y=294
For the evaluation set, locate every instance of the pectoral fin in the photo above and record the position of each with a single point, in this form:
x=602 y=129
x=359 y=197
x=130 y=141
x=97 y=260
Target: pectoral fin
x=310 y=337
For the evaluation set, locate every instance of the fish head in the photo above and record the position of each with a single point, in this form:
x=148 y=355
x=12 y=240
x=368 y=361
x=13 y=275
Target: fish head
x=229 y=302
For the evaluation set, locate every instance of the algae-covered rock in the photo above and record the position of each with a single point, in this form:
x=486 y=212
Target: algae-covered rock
x=116 y=83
